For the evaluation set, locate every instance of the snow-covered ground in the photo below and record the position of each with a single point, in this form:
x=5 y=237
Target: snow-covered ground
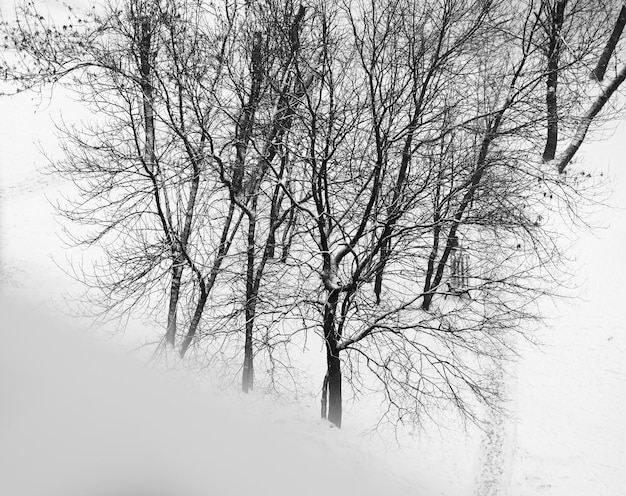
x=569 y=395
x=73 y=417
x=83 y=420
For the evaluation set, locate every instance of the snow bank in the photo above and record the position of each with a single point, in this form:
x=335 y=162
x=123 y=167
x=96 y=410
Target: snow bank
x=77 y=419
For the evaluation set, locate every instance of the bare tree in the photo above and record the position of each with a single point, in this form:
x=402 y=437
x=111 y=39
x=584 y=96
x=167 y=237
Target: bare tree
x=140 y=167
x=421 y=136
x=372 y=171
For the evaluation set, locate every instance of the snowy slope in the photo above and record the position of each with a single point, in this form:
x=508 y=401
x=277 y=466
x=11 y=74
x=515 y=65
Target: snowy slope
x=565 y=434
x=570 y=394
x=79 y=419
x=570 y=410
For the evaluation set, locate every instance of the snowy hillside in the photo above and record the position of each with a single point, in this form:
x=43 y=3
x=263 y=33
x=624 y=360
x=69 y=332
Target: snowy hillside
x=80 y=419
x=569 y=396
x=565 y=434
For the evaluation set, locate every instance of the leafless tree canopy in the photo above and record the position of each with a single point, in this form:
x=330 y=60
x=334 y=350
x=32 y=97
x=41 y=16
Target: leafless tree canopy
x=379 y=174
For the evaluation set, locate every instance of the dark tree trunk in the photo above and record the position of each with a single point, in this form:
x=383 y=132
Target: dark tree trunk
x=245 y=123
x=430 y=268
x=145 y=68
x=271 y=241
x=603 y=62
x=247 y=382
x=177 y=273
x=195 y=321
x=554 y=52
x=384 y=255
x=324 y=402
x=288 y=234
x=206 y=286
x=427 y=301
x=332 y=381
x=587 y=119
x=334 y=385
x=274 y=220
x=552 y=137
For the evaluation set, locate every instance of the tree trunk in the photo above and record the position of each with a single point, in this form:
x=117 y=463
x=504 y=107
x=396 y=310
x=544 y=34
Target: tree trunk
x=554 y=56
x=207 y=287
x=334 y=385
x=274 y=211
x=195 y=321
x=288 y=234
x=247 y=381
x=324 y=402
x=452 y=238
x=145 y=68
x=585 y=121
x=430 y=268
x=177 y=273
x=333 y=362
x=384 y=255
x=603 y=62
x=426 y=302
x=246 y=120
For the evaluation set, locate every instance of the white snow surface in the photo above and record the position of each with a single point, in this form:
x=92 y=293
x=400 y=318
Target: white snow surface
x=80 y=419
